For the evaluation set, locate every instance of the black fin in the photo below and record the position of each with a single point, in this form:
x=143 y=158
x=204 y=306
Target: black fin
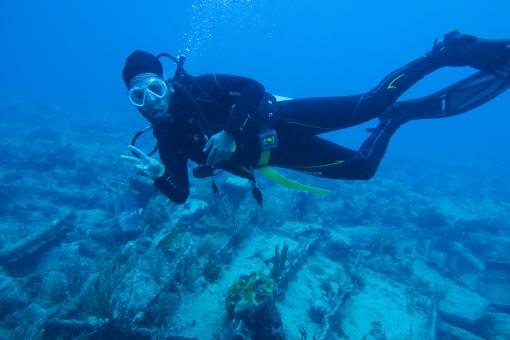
x=455 y=99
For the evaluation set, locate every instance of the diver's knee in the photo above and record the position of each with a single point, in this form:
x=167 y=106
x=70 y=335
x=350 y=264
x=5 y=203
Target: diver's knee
x=376 y=101
x=366 y=175
x=362 y=171
x=367 y=171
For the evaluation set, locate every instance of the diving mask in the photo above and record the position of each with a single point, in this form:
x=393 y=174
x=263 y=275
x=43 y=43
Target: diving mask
x=147 y=85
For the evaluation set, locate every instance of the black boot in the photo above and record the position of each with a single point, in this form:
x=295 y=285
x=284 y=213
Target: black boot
x=458 y=49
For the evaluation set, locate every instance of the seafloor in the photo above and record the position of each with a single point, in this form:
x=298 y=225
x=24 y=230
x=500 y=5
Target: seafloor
x=88 y=250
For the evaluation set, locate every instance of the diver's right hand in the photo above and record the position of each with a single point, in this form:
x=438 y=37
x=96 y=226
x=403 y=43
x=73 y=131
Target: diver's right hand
x=147 y=166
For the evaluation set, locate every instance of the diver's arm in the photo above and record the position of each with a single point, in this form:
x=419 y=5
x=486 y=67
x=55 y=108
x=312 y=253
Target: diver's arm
x=170 y=177
x=174 y=183
x=246 y=94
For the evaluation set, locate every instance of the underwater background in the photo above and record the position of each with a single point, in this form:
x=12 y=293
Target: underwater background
x=90 y=250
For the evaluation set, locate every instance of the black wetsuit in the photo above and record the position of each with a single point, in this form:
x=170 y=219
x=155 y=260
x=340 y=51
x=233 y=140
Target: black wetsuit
x=217 y=102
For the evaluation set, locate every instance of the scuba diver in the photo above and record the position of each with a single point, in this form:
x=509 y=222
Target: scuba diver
x=227 y=122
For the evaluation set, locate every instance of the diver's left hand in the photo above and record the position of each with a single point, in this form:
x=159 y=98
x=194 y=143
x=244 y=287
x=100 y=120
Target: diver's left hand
x=222 y=145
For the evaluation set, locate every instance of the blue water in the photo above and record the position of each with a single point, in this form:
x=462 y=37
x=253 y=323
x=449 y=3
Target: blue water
x=72 y=54
x=68 y=56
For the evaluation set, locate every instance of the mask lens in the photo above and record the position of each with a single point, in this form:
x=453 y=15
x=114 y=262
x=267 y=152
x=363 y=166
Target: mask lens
x=137 y=96
x=157 y=87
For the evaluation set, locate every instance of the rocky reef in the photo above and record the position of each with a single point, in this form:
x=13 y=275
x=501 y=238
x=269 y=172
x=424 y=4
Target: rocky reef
x=89 y=250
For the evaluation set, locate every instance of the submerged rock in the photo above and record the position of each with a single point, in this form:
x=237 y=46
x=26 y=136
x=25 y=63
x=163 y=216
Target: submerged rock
x=338 y=248
x=496 y=326
x=11 y=296
x=193 y=209
x=461 y=307
x=447 y=331
x=130 y=224
x=466 y=259
x=144 y=191
x=25 y=254
x=236 y=189
x=137 y=291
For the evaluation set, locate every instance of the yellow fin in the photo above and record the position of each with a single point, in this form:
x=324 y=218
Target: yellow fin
x=276 y=177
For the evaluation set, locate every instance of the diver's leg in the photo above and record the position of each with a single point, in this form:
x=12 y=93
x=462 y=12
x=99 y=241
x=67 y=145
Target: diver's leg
x=455 y=50
x=319 y=157
x=396 y=83
x=312 y=116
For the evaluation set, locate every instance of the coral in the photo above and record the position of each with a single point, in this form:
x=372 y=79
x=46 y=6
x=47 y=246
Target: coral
x=317 y=312
x=187 y=269
x=54 y=288
x=99 y=296
x=156 y=213
x=338 y=248
x=174 y=242
x=247 y=291
x=329 y=289
x=92 y=329
x=223 y=214
x=240 y=233
x=208 y=245
x=295 y=262
x=279 y=260
x=162 y=308
x=384 y=244
x=250 y=300
x=130 y=225
x=212 y=269
x=317 y=269
x=332 y=320
x=157 y=266
x=377 y=331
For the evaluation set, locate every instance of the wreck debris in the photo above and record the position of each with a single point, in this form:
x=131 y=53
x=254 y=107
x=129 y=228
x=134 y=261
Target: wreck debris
x=25 y=254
